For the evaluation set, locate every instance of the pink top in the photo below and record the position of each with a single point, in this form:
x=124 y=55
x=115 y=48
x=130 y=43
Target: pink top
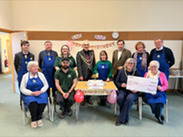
x=163 y=80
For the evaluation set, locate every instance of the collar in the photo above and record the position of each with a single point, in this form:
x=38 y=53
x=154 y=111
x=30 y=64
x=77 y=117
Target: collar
x=31 y=76
x=25 y=52
x=159 y=49
x=67 y=71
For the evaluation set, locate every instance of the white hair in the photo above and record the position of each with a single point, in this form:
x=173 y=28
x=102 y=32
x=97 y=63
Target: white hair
x=130 y=60
x=31 y=63
x=154 y=62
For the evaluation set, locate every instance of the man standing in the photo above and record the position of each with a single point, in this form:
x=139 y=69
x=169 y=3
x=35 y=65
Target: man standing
x=46 y=63
x=21 y=60
x=85 y=66
x=65 y=81
x=119 y=57
x=163 y=55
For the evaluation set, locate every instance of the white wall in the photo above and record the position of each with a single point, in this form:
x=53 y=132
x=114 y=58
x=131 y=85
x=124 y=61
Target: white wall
x=6 y=15
x=98 y=15
x=176 y=46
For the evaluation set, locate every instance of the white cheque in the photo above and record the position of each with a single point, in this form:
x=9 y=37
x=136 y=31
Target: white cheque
x=141 y=84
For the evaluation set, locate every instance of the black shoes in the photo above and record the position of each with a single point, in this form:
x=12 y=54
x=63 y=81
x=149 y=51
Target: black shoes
x=70 y=112
x=62 y=115
x=118 y=123
x=89 y=101
x=160 y=119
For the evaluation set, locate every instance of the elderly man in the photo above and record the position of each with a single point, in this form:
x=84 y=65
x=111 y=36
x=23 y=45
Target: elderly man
x=65 y=81
x=85 y=66
x=46 y=63
x=119 y=57
x=163 y=55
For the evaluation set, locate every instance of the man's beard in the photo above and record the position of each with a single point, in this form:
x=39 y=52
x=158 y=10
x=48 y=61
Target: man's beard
x=65 y=67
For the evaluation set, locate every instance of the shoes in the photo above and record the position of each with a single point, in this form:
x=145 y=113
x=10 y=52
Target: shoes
x=40 y=123
x=89 y=101
x=162 y=117
x=118 y=123
x=159 y=119
x=34 y=124
x=70 y=112
x=126 y=121
x=62 y=115
x=83 y=103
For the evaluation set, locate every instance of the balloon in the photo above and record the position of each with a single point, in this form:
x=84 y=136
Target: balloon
x=70 y=44
x=112 y=98
x=79 y=96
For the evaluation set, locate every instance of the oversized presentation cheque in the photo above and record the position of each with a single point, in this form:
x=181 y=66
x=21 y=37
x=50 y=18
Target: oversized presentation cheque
x=141 y=84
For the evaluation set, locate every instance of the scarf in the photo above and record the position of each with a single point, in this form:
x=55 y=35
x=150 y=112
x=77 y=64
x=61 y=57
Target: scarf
x=144 y=59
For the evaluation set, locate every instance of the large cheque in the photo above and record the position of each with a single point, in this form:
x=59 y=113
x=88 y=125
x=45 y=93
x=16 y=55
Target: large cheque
x=140 y=84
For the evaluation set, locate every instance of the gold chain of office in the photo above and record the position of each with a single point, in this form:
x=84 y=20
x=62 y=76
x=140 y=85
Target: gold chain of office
x=126 y=73
x=86 y=61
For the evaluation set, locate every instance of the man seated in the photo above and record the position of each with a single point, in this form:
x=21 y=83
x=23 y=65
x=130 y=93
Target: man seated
x=65 y=81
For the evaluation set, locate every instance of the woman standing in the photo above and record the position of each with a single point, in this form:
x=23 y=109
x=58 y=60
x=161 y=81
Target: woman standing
x=158 y=100
x=103 y=69
x=65 y=52
x=33 y=92
x=141 y=58
x=126 y=97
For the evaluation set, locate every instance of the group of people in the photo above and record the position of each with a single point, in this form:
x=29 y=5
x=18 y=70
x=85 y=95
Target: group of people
x=58 y=75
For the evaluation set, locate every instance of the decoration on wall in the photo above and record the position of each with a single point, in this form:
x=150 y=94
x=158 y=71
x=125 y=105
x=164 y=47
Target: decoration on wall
x=107 y=45
x=77 y=36
x=70 y=44
x=115 y=35
x=100 y=37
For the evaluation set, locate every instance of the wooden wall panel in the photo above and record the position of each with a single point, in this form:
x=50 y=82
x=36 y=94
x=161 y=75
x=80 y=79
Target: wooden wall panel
x=144 y=35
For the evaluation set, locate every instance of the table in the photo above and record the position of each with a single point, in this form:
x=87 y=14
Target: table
x=108 y=87
x=176 y=79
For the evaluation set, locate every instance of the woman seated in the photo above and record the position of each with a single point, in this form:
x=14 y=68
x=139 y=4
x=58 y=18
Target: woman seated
x=33 y=92
x=65 y=53
x=126 y=97
x=157 y=100
x=103 y=70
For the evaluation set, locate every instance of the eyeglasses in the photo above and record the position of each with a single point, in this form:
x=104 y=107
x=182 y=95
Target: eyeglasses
x=153 y=66
x=130 y=63
x=85 y=44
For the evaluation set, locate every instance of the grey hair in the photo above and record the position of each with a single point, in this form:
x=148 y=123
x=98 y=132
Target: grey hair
x=31 y=63
x=158 y=39
x=155 y=62
x=130 y=60
x=48 y=41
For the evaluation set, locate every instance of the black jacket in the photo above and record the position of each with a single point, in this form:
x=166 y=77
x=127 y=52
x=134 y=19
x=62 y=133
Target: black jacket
x=168 y=54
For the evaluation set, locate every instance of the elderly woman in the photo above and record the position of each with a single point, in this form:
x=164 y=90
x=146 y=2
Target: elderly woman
x=65 y=52
x=33 y=92
x=157 y=100
x=141 y=58
x=103 y=69
x=126 y=97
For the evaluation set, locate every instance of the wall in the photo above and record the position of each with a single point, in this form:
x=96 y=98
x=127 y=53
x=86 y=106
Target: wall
x=6 y=15
x=100 y=15
x=4 y=51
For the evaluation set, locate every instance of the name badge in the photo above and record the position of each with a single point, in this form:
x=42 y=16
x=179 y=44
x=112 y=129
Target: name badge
x=34 y=81
x=25 y=62
x=158 y=56
x=140 y=58
x=103 y=67
x=49 y=59
x=69 y=76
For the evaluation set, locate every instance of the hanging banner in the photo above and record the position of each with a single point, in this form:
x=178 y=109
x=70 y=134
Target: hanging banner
x=107 y=45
